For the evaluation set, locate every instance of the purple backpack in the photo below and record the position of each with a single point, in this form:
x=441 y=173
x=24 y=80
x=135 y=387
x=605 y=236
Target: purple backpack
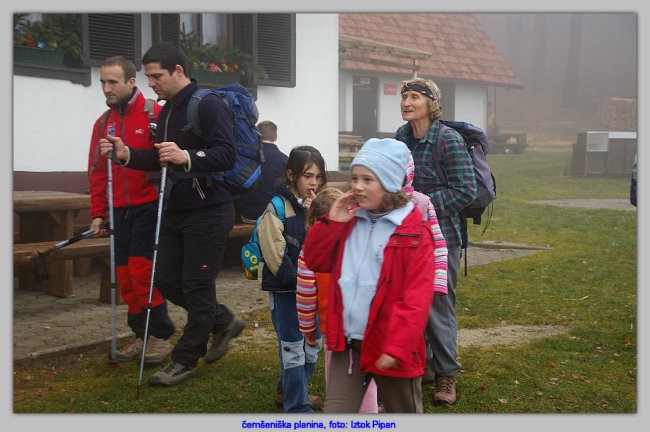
x=478 y=147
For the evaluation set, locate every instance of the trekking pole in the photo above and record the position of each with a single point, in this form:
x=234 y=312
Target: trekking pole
x=59 y=245
x=111 y=231
x=163 y=177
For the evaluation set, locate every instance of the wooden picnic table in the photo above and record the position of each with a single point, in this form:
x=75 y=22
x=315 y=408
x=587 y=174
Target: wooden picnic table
x=46 y=216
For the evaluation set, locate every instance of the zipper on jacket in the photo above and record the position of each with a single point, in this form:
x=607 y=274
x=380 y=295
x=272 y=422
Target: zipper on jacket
x=171 y=107
x=196 y=185
x=125 y=177
x=195 y=181
x=356 y=281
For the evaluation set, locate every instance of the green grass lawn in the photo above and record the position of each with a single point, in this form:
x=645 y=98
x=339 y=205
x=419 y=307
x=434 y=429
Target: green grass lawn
x=585 y=283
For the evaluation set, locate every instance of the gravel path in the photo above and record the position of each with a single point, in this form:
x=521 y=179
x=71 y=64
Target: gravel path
x=45 y=324
x=612 y=204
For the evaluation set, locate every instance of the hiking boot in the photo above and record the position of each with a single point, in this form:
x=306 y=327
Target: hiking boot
x=220 y=340
x=132 y=351
x=445 y=390
x=429 y=376
x=172 y=374
x=315 y=401
x=157 y=350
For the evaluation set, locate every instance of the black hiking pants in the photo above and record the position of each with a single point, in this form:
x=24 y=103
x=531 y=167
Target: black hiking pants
x=191 y=249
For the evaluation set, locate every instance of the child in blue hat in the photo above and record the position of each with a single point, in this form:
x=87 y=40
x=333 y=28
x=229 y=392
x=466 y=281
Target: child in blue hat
x=380 y=254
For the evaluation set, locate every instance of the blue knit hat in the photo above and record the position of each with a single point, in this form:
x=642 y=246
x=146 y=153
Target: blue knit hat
x=387 y=159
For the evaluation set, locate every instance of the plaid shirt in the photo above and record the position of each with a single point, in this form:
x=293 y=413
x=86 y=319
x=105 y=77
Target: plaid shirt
x=460 y=190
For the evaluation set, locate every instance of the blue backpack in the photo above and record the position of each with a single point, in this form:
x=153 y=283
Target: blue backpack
x=246 y=173
x=251 y=255
x=478 y=147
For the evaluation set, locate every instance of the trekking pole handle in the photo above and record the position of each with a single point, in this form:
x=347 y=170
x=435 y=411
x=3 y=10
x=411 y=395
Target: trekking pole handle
x=59 y=245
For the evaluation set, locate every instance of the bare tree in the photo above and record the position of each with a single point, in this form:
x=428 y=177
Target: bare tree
x=539 y=62
x=573 y=63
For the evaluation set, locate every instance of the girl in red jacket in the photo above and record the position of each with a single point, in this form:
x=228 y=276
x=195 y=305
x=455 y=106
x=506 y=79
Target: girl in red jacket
x=380 y=256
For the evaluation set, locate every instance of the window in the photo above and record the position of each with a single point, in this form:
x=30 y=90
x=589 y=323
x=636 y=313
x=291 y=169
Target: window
x=275 y=48
x=268 y=38
x=107 y=35
x=50 y=45
x=271 y=39
x=165 y=27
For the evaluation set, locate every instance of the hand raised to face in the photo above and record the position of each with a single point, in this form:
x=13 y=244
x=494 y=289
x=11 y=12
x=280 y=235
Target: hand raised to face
x=344 y=208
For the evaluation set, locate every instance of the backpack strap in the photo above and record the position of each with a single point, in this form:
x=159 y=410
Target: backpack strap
x=102 y=122
x=437 y=153
x=441 y=173
x=278 y=204
x=193 y=112
x=149 y=108
x=100 y=130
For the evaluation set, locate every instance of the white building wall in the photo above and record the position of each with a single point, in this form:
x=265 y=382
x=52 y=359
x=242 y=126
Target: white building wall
x=53 y=119
x=471 y=104
x=345 y=101
x=308 y=113
x=388 y=111
x=390 y=115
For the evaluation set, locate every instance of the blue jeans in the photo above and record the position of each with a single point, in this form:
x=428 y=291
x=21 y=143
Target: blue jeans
x=297 y=358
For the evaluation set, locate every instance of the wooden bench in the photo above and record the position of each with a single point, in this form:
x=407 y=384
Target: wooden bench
x=94 y=248
x=88 y=248
x=508 y=142
x=241 y=230
x=47 y=215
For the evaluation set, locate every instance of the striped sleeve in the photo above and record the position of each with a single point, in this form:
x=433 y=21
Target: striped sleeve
x=306 y=296
x=439 y=253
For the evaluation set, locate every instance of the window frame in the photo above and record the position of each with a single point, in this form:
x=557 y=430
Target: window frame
x=75 y=74
x=268 y=32
x=269 y=38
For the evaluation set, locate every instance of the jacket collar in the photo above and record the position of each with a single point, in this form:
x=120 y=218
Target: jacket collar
x=429 y=137
x=123 y=105
x=284 y=191
x=184 y=94
x=395 y=217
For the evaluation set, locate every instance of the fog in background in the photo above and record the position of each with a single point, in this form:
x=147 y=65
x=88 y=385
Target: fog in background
x=570 y=63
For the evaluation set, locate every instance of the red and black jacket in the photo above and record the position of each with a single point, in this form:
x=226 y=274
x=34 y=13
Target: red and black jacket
x=130 y=187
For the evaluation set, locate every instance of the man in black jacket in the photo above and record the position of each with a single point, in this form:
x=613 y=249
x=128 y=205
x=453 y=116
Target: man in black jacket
x=198 y=214
x=253 y=203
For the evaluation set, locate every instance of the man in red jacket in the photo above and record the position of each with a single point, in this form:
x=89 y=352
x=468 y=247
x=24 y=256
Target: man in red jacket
x=132 y=118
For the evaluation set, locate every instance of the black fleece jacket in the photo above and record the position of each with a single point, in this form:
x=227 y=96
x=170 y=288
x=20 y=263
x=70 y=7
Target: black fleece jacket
x=213 y=151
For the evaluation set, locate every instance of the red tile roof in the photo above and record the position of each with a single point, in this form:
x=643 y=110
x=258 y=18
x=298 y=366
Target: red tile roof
x=460 y=48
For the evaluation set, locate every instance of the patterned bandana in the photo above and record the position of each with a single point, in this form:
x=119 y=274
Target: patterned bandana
x=420 y=89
